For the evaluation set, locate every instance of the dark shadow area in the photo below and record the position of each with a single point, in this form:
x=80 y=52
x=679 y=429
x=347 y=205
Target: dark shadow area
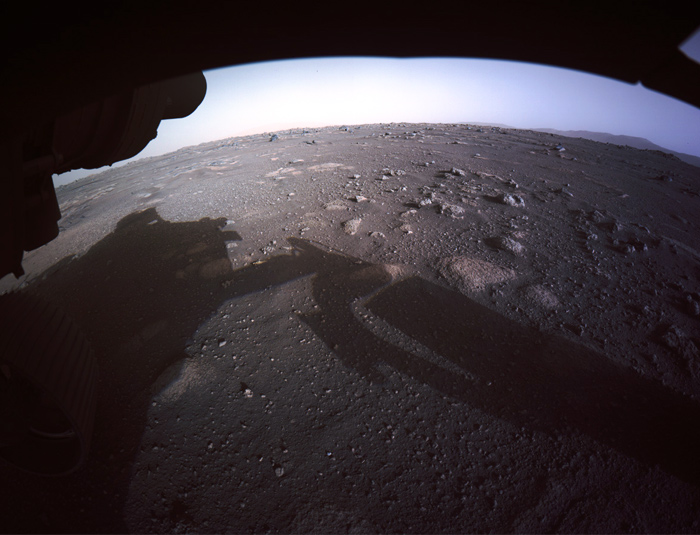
x=521 y=375
x=138 y=295
x=142 y=292
x=543 y=381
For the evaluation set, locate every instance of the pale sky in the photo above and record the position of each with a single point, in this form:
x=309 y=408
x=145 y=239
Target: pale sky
x=264 y=97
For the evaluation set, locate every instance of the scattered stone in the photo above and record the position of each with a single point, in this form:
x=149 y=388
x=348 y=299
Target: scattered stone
x=673 y=337
x=248 y=393
x=630 y=246
x=393 y=172
x=596 y=216
x=692 y=306
x=457 y=172
x=566 y=192
x=574 y=328
x=352 y=226
x=376 y=234
x=274 y=137
x=505 y=243
x=425 y=202
x=451 y=210
x=355 y=176
x=682 y=346
x=510 y=200
x=360 y=198
x=559 y=148
x=406 y=228
x=279 y=471
x=472 y=274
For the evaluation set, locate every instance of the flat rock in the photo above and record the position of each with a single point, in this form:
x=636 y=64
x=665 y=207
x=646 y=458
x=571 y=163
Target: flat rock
x=541 y=296
x=335 y=205
x=473 y=274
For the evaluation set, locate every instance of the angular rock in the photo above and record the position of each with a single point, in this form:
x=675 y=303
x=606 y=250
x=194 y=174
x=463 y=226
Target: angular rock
x=566 y=192
x=352 y=226
x=451 y=210
x=682 y=345
x=505 y=243
x=596 y=217
x=692 y=307
x=510 y=200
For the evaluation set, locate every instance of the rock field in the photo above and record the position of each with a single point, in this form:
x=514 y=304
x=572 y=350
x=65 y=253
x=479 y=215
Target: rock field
x=381 y=328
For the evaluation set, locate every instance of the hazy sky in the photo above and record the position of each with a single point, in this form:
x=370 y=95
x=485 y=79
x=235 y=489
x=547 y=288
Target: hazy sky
x=264 y=97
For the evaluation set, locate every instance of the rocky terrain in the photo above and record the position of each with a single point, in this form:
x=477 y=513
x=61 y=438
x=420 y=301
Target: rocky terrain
x=381 y=328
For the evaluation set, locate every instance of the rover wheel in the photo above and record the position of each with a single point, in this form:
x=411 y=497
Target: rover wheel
x=48 y=377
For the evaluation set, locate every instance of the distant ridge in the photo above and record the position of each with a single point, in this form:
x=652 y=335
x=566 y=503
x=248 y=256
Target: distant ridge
x=630 y=141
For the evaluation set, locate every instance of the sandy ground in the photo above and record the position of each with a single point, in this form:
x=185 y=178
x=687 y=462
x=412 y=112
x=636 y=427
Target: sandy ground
x=381 y=328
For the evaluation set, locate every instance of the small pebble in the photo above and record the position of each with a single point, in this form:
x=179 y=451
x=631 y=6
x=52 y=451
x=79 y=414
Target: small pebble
x=692 y=306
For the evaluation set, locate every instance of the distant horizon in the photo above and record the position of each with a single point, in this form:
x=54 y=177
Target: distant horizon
x=255 y=98
x=86 y=173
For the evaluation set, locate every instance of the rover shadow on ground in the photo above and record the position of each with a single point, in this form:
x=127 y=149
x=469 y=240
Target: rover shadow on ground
x=142 y=292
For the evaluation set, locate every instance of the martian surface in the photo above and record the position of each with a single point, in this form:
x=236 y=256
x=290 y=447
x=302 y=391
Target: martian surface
x=416 y=328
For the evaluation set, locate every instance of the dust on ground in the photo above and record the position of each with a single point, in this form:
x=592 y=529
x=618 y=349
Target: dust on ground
x=404 y=327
